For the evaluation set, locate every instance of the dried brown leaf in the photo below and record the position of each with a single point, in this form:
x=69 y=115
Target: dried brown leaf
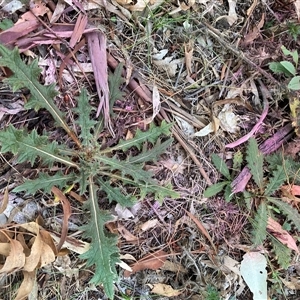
x=26 y=285
x=16 y=258
x=151 y=261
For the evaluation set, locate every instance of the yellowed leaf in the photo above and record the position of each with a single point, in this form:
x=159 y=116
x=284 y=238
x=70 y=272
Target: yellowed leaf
x=32 y=261
x=164 y=290
x=26 y=285
x=16 y=258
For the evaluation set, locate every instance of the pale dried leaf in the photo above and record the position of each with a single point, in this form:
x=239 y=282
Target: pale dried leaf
x=26 y=285
x=209 y=128
x=123 y=212
x=59 y=8
x=297 y=8
x=139 y=6
x=186 y=127
x=16 y=258
x=164 y=290
x=228 y=120
x=149 y=224
x=168 y=65
x=4 y=201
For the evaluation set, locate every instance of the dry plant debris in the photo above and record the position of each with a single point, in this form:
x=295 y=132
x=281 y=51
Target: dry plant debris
x=223 y=77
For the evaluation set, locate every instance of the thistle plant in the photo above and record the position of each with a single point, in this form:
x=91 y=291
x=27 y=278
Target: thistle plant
x=84 y=163
x=264 y=196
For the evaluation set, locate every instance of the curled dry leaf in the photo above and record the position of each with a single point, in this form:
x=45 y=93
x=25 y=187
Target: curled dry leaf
x=281 y=235
x=26 y=285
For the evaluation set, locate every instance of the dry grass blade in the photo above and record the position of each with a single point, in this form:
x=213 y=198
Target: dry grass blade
x=202 y=229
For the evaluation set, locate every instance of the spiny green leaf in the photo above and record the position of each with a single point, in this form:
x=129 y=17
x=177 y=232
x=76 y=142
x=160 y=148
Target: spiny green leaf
x=237 y=160
x=103 y=252
x=291 y=213
x=255 y=162
x=221 y=166
x=26 y=76
x=215 y=189
x=28 y=146
x=260 y=225
x=276 y=181
x=282 y=252
x=159 y=192
x=45 y=182
x=151 y=135
x=84 y=120
x=115 y=194
x=114 y=82
x=133 y=170
x=150 y=154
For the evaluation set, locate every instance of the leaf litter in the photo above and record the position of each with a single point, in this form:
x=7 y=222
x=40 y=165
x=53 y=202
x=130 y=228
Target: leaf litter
x=174 y=78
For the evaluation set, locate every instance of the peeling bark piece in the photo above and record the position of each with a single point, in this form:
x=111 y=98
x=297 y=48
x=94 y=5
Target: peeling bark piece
x=267 y=147
x=97 y=51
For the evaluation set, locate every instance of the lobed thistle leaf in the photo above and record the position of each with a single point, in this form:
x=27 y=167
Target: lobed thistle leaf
x=115 y=194
x=84 y=111
x=255 y=162
x=103 y=252
x=114 y=82
x=26 y=76
x=150 y=154
x=291 y=213
x=276 y=181
x=282 y=252
x=45 y=182
x=151 y=135
x=260 y=225
x=28 y=146
x=135 y=171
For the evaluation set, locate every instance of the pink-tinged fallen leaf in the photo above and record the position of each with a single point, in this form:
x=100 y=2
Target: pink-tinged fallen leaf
x=202 y=229
x=293 y=190
x=281 y=235
x=80 y=25
x=9 y=36
x=164 y=290
x=267 y=147
x=97 y=51
x=151 y=261
x=26 y=285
